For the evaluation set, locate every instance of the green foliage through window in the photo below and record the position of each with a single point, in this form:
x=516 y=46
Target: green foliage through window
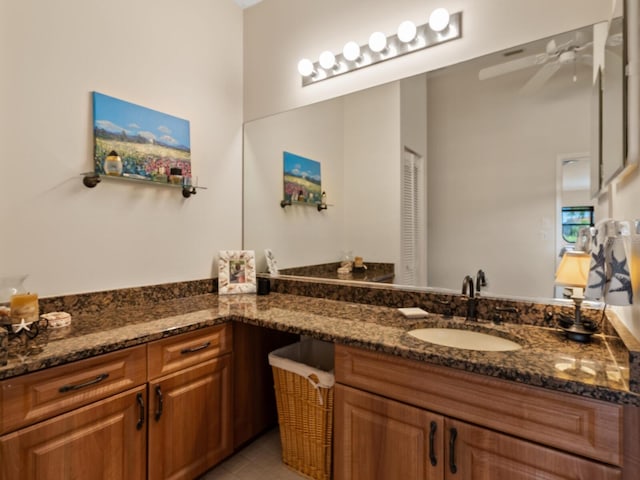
x=573 y=219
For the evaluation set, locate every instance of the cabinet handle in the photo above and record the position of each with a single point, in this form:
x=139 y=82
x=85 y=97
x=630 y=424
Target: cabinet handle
x=98 y=379
x=159 y=398
x=141 y=406
x=452 y=450
x=195 y=349
x=432 y=447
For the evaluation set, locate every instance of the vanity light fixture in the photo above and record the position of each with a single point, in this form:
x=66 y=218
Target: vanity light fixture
x=305 y=68
x=351 y=51
x=377 y=42
x=327 y=60
x=407 y=31
x=410 y=37
x=439 y=19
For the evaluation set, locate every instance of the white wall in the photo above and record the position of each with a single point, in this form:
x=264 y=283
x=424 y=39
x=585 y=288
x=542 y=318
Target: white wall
x=277 y=33
x=180 y=58
x=297 y=231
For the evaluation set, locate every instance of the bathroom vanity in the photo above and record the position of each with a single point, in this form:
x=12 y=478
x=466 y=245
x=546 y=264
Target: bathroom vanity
x=148 y=392
x=397 y=418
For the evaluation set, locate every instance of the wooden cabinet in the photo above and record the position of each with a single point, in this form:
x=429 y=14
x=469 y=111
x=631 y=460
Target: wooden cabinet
x=27 y=399
x=484 y=428
x=103 y=440
x=376 y=438
x=190 y=407
x=254 y=403
x=476 y=453
x=102 y=418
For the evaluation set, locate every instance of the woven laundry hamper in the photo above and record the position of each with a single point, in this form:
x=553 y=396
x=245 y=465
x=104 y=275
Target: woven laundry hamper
x=303 y=381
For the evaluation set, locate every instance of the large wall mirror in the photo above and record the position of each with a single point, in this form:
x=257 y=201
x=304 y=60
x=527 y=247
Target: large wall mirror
x=444 y=173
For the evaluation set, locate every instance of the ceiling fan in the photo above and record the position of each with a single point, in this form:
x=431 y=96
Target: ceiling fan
x=555 y=56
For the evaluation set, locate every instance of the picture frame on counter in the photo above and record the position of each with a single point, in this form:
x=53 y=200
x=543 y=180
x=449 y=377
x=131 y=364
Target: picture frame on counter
x=236 y=272
x=272 y=265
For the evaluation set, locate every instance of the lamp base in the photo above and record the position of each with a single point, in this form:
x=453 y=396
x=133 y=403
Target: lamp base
x=578 y=333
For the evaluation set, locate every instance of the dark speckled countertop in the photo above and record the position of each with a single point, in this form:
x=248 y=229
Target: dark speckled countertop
x=598 y=370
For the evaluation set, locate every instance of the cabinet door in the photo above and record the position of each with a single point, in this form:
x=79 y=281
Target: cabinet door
x=104 y=440
x=190 y=420
x=480 y=454
x=377 y=438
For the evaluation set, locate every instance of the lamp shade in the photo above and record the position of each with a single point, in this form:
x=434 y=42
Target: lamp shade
x=573 y=270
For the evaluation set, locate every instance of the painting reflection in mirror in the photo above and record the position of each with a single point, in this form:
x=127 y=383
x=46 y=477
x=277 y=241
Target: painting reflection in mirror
x=492 y=146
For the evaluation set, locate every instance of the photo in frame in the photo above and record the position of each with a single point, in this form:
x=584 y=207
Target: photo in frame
x=236 y=272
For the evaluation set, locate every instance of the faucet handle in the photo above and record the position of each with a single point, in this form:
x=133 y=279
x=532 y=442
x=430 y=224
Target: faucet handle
x=481 y=280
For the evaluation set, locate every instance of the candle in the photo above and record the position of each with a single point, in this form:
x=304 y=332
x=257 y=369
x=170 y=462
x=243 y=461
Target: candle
x=24 y=306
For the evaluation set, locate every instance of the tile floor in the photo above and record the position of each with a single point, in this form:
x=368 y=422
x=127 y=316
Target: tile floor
x=260 y=460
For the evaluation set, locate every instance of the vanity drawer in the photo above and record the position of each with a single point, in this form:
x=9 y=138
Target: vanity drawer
x=36 y=396
x=175 y=353
x=572 y=423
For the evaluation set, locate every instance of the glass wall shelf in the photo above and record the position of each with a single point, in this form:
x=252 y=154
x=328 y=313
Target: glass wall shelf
x=91 y=179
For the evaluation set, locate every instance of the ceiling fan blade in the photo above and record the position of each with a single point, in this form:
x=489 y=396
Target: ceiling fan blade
x=512 y=66
x=541 y=77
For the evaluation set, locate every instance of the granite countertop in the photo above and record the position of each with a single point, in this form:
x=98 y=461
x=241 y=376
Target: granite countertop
x=597 y=370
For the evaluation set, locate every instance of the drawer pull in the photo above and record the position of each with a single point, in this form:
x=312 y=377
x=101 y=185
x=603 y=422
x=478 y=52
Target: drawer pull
x=141 y=406
x=432 y=440
x=159 y=403
x=88 y=383
x=195 y=349
x=452 y=450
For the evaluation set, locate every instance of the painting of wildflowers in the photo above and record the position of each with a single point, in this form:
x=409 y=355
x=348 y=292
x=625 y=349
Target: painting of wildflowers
x=150 y=143
x=302 y=181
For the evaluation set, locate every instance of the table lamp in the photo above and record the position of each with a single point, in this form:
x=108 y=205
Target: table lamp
x=573 y=271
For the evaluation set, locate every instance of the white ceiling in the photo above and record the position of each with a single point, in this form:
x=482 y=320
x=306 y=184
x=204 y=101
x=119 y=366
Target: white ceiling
x=246 y=3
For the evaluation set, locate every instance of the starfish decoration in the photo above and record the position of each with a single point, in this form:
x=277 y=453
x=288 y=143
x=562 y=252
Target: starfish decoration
x=625 y=286
x=621 y=274
x=619 y=267
x=597 y=267
x=17 y=328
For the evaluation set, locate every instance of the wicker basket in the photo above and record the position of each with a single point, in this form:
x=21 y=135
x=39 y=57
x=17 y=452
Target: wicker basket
x=305 y=409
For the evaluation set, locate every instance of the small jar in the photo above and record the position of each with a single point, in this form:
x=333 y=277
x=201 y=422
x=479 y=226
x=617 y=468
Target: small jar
x=175 y=176
x=113 y=164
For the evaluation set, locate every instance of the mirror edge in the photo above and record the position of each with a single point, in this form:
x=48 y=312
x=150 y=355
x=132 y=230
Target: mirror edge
x=632 y=42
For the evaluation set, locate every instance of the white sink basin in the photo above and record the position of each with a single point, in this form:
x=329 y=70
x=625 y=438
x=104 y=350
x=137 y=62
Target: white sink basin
x=466 y=339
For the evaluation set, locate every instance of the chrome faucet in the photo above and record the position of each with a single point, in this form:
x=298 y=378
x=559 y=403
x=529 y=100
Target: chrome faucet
x=481 y=281
x=467 y=283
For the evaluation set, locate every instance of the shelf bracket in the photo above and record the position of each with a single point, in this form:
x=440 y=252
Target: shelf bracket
x=90 y=180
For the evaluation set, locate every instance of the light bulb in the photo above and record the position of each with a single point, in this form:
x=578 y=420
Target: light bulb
x=377 y=42
x=305 y=67
x=439 y=19
x=351 y=51
x=407 y=31
x=327 y=60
